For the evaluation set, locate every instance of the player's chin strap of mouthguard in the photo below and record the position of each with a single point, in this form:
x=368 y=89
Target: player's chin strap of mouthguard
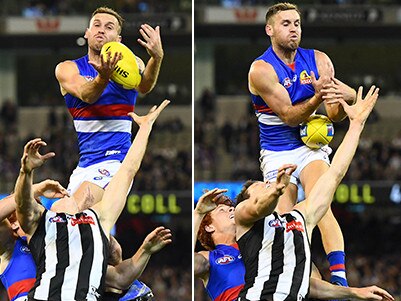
x=138 y=291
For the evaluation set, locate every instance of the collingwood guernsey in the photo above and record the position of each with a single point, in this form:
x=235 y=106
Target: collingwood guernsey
x=71 y=253
x=277 y=259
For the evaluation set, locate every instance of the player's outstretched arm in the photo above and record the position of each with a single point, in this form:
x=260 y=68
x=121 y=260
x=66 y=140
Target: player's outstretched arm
x=88 y=91
x=153 y=45
x=123 y=274
x=319 y=200
x=48 y=188
x=250 y=210
x=115 y=194
x=334 y=109
x=28 y=210
x=323 y=290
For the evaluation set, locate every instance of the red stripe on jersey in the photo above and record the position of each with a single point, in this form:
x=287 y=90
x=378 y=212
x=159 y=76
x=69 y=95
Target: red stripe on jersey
x=230 y=294
x=337 y=267
x=102 y=111
x=22 y=286
x=262 y=108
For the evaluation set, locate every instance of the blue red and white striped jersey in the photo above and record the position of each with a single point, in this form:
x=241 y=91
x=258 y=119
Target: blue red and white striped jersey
x=275 y=135
x=20 y=274
x=226 y=273
x=103 y=128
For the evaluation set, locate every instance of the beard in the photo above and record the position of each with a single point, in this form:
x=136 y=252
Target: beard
x=289 y=46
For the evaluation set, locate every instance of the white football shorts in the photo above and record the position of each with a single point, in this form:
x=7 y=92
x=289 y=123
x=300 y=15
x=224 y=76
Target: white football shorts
x=271 y=161
x=100 y=174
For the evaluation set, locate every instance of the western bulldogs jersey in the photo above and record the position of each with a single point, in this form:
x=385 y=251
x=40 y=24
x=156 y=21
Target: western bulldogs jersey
x=277 y=259
x=103 y=128
x=275 y=135
x=71 y=254
x=226 y=273
x=20 y=273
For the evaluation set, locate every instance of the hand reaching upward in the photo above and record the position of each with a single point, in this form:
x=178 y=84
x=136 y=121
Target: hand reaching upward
x=31 y=158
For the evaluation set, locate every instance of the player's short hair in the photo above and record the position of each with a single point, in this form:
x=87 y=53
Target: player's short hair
x=276 y=8
x=110 y=11
x=244 y=194
x=205 y=237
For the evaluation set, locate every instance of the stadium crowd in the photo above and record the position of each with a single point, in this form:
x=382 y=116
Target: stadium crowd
x=42 y=8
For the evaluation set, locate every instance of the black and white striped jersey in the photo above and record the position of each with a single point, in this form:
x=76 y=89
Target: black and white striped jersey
x=276 y=254
x=71 y=254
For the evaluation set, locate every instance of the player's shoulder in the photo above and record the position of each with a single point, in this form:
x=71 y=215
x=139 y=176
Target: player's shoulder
x=261 y=69
x=66 y=67
x=320 y=55
x=205 y=254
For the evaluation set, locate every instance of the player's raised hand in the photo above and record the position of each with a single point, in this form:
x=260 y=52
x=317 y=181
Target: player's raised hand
x=151 y=41
x=31 y=157
x=360 y=111
x=319 y=84
x=107 y=64
x=338 y=90
x=284 y=175
x=157 y=240
x=152 y=115
x=207 y=202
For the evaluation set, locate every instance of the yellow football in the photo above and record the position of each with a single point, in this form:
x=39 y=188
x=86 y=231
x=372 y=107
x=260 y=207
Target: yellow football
x=317 y=131
x=126 y=72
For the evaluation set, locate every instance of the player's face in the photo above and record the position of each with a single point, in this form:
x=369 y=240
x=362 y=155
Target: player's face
x=103 y=28
x=223 y=218
x=285 y=29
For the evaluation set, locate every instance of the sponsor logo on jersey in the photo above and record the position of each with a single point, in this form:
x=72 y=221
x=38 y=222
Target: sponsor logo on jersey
x=305 y=78
x=294 y=225
x=25 y=250
x=83 y=219
x=57 y=219
x=226 y=259
x=104 y=172
x=112 y=152
x=98 y=178
x=276 y=223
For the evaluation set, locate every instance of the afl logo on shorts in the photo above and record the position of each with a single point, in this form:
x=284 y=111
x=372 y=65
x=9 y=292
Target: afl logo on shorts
x=226 y=259
x=104 y=172
x=25 y=250
x=276 y=223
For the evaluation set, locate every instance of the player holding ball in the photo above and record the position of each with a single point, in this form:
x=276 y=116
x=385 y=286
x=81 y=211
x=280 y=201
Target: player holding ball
x=287 y=84
x=98 y=104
